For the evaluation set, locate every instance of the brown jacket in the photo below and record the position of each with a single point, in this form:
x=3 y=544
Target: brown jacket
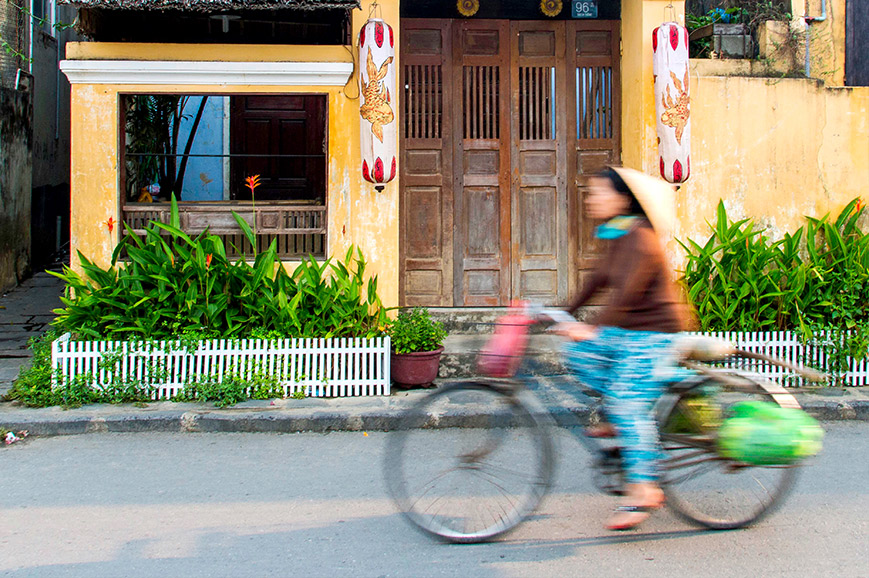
x=644 y=298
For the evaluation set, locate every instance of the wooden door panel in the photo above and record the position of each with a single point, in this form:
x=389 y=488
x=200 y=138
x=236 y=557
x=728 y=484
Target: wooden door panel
x=593 y=63
x=483 y=224
x=539 y=211
x=540 y=223
x=426 y=165
x=424 y=216
x=482 y=162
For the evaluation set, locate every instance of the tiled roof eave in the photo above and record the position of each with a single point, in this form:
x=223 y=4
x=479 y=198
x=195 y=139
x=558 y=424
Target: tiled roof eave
x=213 y=5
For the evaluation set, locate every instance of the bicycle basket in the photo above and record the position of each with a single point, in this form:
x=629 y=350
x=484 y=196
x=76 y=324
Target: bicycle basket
x=502 y=354
x=695 y=415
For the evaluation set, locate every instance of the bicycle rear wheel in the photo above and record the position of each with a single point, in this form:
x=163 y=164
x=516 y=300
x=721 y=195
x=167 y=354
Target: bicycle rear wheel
x=704 y=487
x=468 y=479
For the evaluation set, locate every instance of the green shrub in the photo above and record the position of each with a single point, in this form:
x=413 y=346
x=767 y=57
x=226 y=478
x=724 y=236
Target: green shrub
x=33 y=386
x=814 y=281
x=416 y=331
x=172 y=285
x=741 y=280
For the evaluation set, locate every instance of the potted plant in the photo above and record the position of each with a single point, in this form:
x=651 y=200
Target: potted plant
x=417 y=344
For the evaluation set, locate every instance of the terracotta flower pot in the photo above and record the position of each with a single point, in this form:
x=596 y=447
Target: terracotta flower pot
x=418 y=368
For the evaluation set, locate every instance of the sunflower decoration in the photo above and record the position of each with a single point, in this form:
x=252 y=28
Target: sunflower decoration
x=468 y=8
x=551 y=8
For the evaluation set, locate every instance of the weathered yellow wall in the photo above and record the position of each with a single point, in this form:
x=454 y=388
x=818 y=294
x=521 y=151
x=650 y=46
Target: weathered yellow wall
x=826 y=40
x=773 y=149
x=357 y=214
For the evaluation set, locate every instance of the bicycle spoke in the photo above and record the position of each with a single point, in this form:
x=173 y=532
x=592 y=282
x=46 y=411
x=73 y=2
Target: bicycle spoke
x=707 y=489
x=472 y=484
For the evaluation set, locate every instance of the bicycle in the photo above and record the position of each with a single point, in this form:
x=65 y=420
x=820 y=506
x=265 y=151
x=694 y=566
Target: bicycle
x=480 y=480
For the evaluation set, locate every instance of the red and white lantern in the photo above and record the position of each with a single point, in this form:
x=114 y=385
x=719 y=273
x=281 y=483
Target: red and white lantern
x=672 y=101
x=378 y=129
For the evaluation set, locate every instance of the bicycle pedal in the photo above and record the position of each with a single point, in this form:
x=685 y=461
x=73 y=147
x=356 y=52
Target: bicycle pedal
x=610 y=455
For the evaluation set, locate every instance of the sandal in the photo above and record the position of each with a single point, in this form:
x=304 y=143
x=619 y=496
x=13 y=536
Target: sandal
x=632 y=516
x=601 y=430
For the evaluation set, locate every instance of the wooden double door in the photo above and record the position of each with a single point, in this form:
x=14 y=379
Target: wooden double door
x=501 y=124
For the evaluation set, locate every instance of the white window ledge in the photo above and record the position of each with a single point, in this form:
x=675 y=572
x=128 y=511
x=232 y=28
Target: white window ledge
x=163 y=72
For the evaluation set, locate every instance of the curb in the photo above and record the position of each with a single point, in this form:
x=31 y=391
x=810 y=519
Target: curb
x=855 y=410
x=295 y=421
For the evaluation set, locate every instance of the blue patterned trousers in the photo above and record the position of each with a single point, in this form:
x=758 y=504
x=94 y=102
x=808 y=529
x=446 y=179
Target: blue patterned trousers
x=631 y=369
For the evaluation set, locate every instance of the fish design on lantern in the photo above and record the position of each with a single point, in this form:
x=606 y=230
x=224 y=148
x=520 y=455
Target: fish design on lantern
x=376 y=107
x=677 y=111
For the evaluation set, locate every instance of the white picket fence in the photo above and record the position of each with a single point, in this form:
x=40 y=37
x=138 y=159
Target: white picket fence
x=337 y=367
x=787 y=346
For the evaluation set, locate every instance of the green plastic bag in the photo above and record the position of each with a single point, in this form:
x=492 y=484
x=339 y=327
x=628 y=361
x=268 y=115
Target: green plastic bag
x=763 y=433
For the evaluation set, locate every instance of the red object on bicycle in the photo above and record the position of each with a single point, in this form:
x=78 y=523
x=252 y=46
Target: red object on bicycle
x=503 y=353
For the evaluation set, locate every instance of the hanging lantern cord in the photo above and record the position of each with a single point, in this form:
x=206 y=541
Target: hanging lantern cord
x=671 y=10
x=374 y=11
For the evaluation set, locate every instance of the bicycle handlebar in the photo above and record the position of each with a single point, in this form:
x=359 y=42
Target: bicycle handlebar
x=536 y=311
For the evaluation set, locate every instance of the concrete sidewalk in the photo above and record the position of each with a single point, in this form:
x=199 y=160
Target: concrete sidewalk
x=26 y=312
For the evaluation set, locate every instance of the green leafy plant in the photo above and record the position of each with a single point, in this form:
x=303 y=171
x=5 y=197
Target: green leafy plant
x=416 y=331
x=814 y=281
x=183 y=289
x=223 y=392
x=702 y=47
x=731 y=280
x=174 y=285
x=33 y=387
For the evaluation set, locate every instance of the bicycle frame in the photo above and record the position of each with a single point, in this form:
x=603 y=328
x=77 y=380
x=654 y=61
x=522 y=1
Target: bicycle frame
x=607 y=455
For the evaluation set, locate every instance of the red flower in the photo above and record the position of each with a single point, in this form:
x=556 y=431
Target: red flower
x=110 y=224
x=208 y=260
x=860 y=204
x=252 y=182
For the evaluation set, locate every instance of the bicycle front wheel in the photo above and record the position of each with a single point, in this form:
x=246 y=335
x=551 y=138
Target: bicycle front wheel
x=704 y=487
x=468 y=462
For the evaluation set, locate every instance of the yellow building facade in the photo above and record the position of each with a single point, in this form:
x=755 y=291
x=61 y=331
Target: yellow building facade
x=774 y=149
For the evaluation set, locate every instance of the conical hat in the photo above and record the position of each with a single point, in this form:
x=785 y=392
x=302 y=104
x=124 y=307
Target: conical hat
x=657 y=197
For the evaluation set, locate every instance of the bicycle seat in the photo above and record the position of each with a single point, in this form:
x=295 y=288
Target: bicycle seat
x=703 y=348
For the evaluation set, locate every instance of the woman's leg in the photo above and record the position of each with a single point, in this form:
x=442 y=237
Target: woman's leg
x=591 y=361
x=640 y=375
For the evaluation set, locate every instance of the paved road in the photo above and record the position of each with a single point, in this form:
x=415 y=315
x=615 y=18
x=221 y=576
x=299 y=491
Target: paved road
x=314 y=505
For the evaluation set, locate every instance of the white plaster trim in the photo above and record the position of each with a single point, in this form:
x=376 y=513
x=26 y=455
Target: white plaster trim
x=169 y=72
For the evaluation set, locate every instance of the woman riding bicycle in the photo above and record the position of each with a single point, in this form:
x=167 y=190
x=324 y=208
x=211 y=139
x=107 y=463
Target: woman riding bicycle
x=625 y=351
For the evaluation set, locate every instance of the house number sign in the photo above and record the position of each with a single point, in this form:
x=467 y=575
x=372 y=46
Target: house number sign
x=583 y=8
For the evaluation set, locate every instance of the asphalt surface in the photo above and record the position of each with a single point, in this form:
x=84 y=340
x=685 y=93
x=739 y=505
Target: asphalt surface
x=314 y=505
